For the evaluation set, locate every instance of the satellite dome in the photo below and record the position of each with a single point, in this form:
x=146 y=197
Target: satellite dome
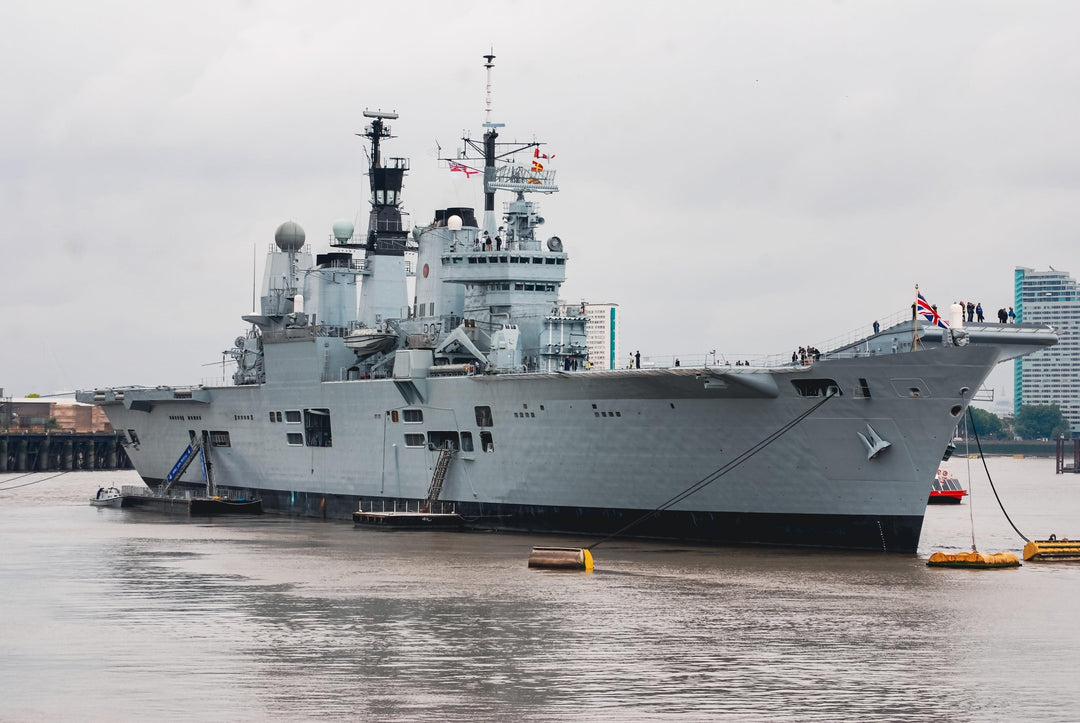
x=454 y=223
x=289 y=236
x=343 y=230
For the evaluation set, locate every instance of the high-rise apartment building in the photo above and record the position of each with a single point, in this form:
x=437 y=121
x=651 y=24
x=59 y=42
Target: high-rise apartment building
x=1052 y=375
x=602 y=335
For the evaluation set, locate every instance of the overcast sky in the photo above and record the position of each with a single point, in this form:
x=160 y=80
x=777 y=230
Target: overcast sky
x=738 y=176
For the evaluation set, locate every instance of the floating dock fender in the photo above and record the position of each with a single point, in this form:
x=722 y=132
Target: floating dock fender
x=1052 y=550
x=561 y=558
x=973 y=559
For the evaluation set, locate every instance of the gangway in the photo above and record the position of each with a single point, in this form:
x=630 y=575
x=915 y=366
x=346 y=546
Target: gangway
x=185 y=460
x=437 y=477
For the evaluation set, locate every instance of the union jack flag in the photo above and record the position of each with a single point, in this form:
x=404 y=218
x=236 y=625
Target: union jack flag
x=930 y=313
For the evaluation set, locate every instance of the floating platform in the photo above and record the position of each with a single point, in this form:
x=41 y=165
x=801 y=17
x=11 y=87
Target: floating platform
x=196 y=506
x=974 y=560
x=409 y=520
x=1052 y=550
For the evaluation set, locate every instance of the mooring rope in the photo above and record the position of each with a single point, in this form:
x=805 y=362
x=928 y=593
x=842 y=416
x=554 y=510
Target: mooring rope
x=717 y=473
x=27 y=484
x=971 y=500
x=983 y=458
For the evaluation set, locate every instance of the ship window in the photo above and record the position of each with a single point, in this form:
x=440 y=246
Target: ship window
x=486 y=443
x=549 y=261
x=466 y=442
x=816 y=387
x=518 y=287
x=219 y=439
x=412 y=416
x=278 y=416
x=538 y=260
x=559 y=262
x=438 y=440
x=317 y=428
x=414 y=440
x=380 y=196
x=134 y=437
x=292 y=416
x=294 y=439
x=272 y=418
x=483 y=417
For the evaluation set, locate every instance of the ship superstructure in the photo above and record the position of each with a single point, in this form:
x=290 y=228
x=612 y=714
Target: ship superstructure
x=476 y=392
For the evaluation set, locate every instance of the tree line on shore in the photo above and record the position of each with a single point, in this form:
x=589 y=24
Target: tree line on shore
x=1032 y=421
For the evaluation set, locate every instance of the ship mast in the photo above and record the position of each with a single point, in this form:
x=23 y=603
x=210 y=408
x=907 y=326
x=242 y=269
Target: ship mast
x=386 y=233
x=489 y=153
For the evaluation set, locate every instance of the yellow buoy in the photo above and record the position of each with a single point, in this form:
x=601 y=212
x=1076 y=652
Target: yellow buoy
x=561 y=558
x=1052 y=550
x=973 y=559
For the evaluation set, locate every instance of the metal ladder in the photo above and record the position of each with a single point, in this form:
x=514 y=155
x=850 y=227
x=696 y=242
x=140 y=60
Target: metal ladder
x=438 y=476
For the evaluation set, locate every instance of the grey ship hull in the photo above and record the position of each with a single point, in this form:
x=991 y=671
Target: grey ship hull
x=586 y=453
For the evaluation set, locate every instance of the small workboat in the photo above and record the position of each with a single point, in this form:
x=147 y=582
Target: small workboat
x=946 y=490
x=107 y=497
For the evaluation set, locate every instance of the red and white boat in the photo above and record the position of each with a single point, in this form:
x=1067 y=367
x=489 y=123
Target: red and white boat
x=946 y=490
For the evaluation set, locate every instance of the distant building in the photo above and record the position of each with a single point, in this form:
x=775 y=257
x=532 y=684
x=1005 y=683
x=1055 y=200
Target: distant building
x=602 y=335
x=1049 y=376
x=33 y=414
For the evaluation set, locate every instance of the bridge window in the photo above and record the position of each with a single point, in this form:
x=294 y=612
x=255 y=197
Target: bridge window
x=466 y=442
x=414 y=440
x=317 y=428
x=483 y=417
x=220 y=439
x=292 y=417
x=412 y=416
x=294 y=439
x=486 y=442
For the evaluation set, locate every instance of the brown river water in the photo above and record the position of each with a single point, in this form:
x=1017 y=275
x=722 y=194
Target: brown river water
x=110 y=614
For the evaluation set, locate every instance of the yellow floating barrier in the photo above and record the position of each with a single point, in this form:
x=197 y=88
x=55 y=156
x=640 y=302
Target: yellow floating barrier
x=1052 y=550
x=561 y=558
x=973 y=559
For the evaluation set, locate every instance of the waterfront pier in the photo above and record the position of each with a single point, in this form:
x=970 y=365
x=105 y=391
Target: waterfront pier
x=1065 y=465
x=30 y=451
